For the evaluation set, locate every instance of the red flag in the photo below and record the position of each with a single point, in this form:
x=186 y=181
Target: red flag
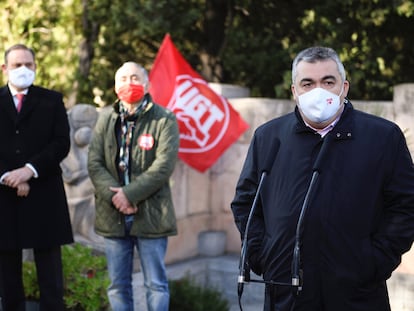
x=208 y=124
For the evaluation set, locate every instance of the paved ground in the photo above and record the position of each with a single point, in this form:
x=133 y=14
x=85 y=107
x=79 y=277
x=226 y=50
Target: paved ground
x=221 y=272
x=218 y=272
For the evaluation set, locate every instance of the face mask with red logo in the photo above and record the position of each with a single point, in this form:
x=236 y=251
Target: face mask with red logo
x=131 y=93
x=319 y=105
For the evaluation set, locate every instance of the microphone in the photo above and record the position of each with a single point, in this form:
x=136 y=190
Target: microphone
x=326 y=141
x=297 y=273
x=244 y=269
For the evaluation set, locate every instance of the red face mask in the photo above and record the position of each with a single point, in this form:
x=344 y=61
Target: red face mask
x=131 y=93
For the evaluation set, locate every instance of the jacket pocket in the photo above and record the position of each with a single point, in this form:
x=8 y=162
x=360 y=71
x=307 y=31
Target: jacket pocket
x=156 y=217
x=367 y=268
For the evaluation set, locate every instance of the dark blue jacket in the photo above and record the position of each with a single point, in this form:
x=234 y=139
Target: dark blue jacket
x=360 y=218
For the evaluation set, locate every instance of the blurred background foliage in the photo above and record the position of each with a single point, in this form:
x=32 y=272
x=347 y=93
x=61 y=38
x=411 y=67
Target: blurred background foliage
x=80 y=43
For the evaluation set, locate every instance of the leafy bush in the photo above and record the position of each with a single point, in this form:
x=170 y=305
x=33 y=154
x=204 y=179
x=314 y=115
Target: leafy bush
x=186 y=295
x=85 y=279
x=31 y=288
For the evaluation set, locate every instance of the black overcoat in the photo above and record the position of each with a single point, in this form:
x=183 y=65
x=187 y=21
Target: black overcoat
x=38 y=135
x=360 y=218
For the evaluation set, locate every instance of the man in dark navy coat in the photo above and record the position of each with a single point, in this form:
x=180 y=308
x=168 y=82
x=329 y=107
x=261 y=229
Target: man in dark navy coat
x=34 y=139
x=359 y=218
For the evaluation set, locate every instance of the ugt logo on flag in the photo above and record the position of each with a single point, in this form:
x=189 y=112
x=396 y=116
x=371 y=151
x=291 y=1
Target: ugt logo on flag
x=208 y=124
x=203 y=115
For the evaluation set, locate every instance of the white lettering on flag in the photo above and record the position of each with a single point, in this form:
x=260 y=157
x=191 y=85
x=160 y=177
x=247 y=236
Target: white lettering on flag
x=203 y=115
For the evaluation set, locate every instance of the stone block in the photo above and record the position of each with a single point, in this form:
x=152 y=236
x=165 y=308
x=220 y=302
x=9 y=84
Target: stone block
x=211 y=243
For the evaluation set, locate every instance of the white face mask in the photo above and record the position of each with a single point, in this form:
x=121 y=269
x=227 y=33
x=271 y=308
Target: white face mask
x=319 y=105
x=21 y=77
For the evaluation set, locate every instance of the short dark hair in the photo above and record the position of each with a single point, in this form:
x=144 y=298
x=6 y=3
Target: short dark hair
x=18 y=46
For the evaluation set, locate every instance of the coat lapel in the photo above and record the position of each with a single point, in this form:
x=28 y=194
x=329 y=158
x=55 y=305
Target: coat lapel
x=6 y=103
x=29 y=102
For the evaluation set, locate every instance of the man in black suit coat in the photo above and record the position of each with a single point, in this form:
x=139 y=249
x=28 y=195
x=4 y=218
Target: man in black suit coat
x=33 y=207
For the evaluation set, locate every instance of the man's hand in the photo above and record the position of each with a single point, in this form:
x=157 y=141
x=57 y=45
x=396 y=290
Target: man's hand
x=18 y=176
x=121 y=201
x=23 y=189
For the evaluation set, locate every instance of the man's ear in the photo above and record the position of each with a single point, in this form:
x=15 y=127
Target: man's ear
x=346 y=89
x=292 y=88
x=147 y=87
x=4 y=68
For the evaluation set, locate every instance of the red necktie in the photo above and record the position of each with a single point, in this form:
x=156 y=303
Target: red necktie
x=20 y=97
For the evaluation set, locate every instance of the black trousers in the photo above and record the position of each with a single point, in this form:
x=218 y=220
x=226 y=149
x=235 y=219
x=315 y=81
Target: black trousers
x=50 y=279
x=279 y=298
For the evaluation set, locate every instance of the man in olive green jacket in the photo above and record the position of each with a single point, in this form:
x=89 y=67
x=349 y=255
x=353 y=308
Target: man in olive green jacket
x=131 y=158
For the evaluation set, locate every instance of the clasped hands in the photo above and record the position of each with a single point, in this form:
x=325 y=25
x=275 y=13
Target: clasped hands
x=121 y=202
x=18 y=179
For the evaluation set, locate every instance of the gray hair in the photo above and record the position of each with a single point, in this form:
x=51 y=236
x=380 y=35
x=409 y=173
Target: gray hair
x=315 y=54
x=138 y=66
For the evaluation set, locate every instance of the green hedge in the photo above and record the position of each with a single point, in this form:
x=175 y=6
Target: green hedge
x=187 y=295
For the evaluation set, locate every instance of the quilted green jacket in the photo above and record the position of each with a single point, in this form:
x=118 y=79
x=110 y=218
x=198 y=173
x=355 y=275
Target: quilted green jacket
x=154 y=154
